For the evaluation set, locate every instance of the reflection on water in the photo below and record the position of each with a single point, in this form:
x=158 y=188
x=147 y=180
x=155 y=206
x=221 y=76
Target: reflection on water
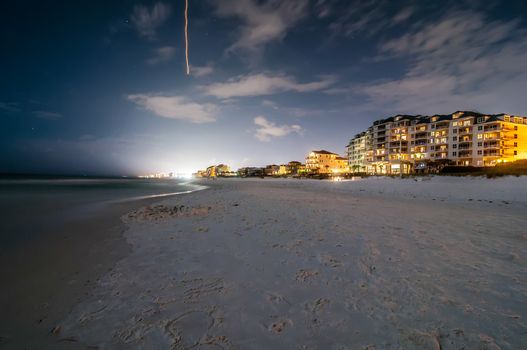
x=31 y=207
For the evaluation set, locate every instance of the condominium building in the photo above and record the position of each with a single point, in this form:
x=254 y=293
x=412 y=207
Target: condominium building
x=324 y=162
x=407 y=143
x=360 y=151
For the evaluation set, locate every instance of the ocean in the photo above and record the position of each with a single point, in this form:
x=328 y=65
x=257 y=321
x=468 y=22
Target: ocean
x=33 y=207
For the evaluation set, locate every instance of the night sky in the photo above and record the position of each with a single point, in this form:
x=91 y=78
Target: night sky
x=99 y=87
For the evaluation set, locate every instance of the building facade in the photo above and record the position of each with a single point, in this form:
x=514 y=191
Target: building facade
x=410 y=143
x=327 y=163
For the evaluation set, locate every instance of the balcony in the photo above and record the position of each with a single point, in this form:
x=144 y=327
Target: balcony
x=491 y=153
x=465 y=145
x=491 y=127
x=491 y=145
x=506 y=136
x=465 y=131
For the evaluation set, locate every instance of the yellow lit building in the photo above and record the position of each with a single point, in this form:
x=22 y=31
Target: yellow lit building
x=324 y=162
x=406 y=143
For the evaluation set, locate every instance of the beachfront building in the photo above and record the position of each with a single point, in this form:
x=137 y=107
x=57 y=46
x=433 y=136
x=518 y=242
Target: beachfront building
x=296 y=168
x=327 y=163
x=217 y=170
x=360 y=152
x=272 y=170
x=411 y=143
x=250 y=172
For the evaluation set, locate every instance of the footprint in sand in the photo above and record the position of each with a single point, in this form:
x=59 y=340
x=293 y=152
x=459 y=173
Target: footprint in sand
x=276 y=299
x=305 y=275
x=317 y=305
x=329 y=260
x=189 y=329
x=279 y=326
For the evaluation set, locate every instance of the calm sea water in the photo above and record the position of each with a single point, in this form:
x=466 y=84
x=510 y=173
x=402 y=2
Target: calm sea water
x=31 y=207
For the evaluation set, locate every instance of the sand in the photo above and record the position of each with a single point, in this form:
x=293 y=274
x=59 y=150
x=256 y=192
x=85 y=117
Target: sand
x=43 y=278
x=307 y=264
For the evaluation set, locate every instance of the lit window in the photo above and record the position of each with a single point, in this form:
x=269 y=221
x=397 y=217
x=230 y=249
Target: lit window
x=480 y=136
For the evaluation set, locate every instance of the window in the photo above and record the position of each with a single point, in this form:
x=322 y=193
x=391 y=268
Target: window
x=454 y=154
x=480 y=136
x=480 y=152
x=515 y=144
x=515 y=127
x=454 y=145
x=515 y=153
x=480 y=120
x=480 y=127
x=454 y=131
x=515 y=136
x=454 y=138
x=480 y=144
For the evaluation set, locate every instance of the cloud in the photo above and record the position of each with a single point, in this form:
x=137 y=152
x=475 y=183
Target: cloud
x=323 y=8
x=262 y=84
x=267 y=130
x=175 y=107
x=455 y=63
x=270 y=104
x=9 y=107
x=146 y=20
x=403 y=15
x=263 y=21
x=369 y=17
x=161 y=54
x=201 y=71
x=48 y=115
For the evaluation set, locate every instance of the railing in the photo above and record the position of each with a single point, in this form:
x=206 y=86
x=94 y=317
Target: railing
x=491 y=154
x=491 y=145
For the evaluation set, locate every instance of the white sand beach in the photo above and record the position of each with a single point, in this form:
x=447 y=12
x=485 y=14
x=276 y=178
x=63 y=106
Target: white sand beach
x=306 y=264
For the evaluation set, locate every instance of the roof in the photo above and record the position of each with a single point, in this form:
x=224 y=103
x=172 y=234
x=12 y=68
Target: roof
x=323 y=152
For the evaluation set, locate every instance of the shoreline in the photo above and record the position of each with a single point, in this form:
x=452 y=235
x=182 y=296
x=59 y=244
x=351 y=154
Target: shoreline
x=44 y=278
x=268 y=264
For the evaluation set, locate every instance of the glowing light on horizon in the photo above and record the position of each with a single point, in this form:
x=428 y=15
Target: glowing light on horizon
x=186 y=36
